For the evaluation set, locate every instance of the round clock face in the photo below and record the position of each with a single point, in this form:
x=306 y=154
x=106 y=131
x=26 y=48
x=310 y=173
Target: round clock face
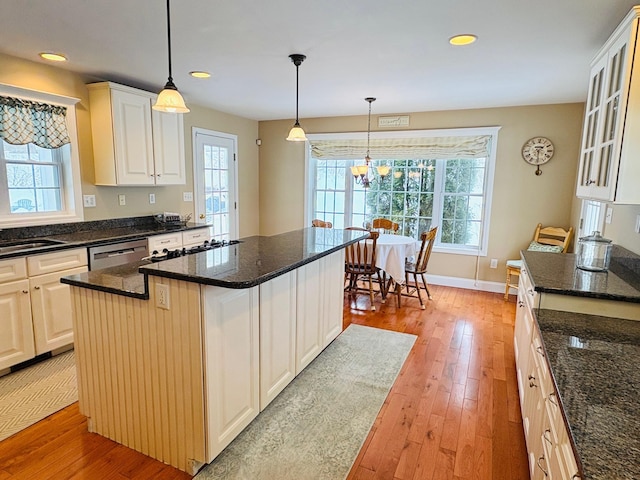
x=537 y=151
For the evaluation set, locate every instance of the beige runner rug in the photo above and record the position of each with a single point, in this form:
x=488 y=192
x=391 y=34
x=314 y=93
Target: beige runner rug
x=27 y=396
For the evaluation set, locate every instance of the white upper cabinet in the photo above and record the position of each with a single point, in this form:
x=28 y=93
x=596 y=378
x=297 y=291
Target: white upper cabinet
x=608 y=168
x=132 y=144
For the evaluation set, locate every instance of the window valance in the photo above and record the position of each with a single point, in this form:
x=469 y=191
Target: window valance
x=423 y=148
x=25 y=121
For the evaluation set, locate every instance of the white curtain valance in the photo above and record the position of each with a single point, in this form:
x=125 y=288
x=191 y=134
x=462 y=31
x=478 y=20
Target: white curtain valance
x=25 y=121
x=424 y=148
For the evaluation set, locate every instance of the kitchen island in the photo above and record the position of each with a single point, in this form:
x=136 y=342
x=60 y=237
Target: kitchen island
x=181 y=355
x=577 y=344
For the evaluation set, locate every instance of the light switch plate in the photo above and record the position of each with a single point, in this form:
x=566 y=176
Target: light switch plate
x=122 y=200
x=89 y=200
x=187 y=196
x=638 y=224
x=152 y=198
x=609 y=215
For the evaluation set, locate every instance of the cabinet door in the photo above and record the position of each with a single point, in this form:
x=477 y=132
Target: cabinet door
x=308 y=312
x=231 y=340
x=332 y=270
x=133 y=140
x=52 y=310
x=16 y=330
x=195 y=237
x=168 y=148
x=592 y=124
x=170 y=241
x=277 y=336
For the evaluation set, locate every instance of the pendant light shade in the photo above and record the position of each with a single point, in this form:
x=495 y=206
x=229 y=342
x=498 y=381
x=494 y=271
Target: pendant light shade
x=296 y=134
x=169 y=99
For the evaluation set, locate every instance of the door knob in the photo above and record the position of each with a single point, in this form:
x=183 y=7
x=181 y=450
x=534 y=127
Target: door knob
x=202 y=216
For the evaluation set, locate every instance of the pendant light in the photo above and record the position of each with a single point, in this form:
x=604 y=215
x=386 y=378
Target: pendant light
x=361 y=172
x=296 y=134
x=169 y=99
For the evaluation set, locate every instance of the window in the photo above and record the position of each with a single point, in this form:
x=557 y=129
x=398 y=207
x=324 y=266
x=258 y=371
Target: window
x=418 y=193
x=39 y=184
x=592 y=217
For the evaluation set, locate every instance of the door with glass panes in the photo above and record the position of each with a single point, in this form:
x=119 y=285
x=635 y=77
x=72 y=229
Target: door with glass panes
x=215 y=174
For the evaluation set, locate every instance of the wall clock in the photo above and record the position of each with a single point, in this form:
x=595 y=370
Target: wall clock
x=537 y=151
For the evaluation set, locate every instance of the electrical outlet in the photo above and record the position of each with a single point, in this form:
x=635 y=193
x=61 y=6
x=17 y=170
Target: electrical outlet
x=187 y=196
x=162 y=296
x=122 y=199
x=89 y=200
x=494 y=263
x=152 y=198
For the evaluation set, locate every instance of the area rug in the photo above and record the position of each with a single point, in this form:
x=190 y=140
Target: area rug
x=315 y=428
x=27 y=396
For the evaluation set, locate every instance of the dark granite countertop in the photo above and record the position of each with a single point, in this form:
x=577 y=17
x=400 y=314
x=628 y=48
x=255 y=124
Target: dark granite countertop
x=86 y=234
x=557 y=273
x=594 y=361
x=253 y=261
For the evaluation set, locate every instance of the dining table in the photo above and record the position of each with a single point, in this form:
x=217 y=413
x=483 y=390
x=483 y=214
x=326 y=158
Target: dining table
x=392 y=252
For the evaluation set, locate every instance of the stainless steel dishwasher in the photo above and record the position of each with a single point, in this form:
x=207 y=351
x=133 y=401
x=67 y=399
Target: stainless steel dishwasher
x=114 y=254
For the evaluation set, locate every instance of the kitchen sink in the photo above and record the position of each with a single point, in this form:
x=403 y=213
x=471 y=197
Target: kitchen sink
x=27 y=244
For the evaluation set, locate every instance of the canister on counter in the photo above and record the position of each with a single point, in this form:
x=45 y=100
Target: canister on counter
x=594 y=253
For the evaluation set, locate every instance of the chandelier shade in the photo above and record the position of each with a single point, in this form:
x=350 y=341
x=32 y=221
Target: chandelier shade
x=361 y=172
x=169 y=99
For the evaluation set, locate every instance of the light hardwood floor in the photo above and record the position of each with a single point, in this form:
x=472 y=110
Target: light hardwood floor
x=452 y=413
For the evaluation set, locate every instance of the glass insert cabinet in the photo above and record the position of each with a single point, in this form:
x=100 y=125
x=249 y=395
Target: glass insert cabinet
x=607 y=170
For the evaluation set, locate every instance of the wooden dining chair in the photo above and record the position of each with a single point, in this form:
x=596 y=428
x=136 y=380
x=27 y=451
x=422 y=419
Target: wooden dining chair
x=360 y=263
x=384 y=224
x=545 y=239
x=419 y=267
x=320 y=223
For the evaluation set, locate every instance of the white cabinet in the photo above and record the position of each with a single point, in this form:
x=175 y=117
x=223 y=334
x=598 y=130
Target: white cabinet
x=191 y=238
x=608 y=168
x=35 y=308
x=16 y=329
x=309 y=341
x=332 y=267
x=548 y=445
x=178 y=239
x=132 y=144
x=231 y=349
x=51 y=310
x=277 y=336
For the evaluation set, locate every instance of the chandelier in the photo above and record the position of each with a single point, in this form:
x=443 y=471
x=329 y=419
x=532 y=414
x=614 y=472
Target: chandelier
x=361 y=172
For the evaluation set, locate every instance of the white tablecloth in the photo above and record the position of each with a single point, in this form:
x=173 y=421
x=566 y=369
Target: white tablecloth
x=391 y=252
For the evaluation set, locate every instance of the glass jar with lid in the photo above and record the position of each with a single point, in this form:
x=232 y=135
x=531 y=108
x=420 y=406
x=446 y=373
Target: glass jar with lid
x=594 y=253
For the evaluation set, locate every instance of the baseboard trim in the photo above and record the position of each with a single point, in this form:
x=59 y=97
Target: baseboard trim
x=468 y=283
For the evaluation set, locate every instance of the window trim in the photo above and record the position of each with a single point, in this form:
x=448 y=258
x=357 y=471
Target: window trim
x=454 y=132
x=71 y=176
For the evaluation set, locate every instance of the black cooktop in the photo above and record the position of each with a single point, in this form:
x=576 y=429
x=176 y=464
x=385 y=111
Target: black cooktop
x=166 y=254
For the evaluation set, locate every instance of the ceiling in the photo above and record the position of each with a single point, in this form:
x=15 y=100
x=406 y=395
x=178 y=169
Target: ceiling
x=527 y=52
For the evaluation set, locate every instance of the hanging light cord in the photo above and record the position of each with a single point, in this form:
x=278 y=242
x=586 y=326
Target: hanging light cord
x=297 y=66
x=367 y=158
x=169 y=40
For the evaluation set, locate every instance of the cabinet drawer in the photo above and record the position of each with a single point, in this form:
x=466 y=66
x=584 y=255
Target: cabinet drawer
x=168 y=240
x=195 y=237
x=56 y=261
x=13 y=269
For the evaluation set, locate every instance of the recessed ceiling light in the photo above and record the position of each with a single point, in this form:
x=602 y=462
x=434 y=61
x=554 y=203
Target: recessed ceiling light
x=54 y=57
x=198 y=74
x=464 y=39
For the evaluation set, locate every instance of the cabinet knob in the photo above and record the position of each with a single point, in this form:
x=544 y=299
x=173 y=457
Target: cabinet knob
x=25 y=291
x=37 y=287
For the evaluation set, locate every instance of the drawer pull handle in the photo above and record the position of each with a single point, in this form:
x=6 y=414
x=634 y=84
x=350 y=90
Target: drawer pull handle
x=552 y=396
x=576 y=475
x=164 y=241
x=544 y=435
x=25 y=291
x=532 y=383
x=37 y=287
x=521 y=304
x=540 y=351
x=543 y=470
